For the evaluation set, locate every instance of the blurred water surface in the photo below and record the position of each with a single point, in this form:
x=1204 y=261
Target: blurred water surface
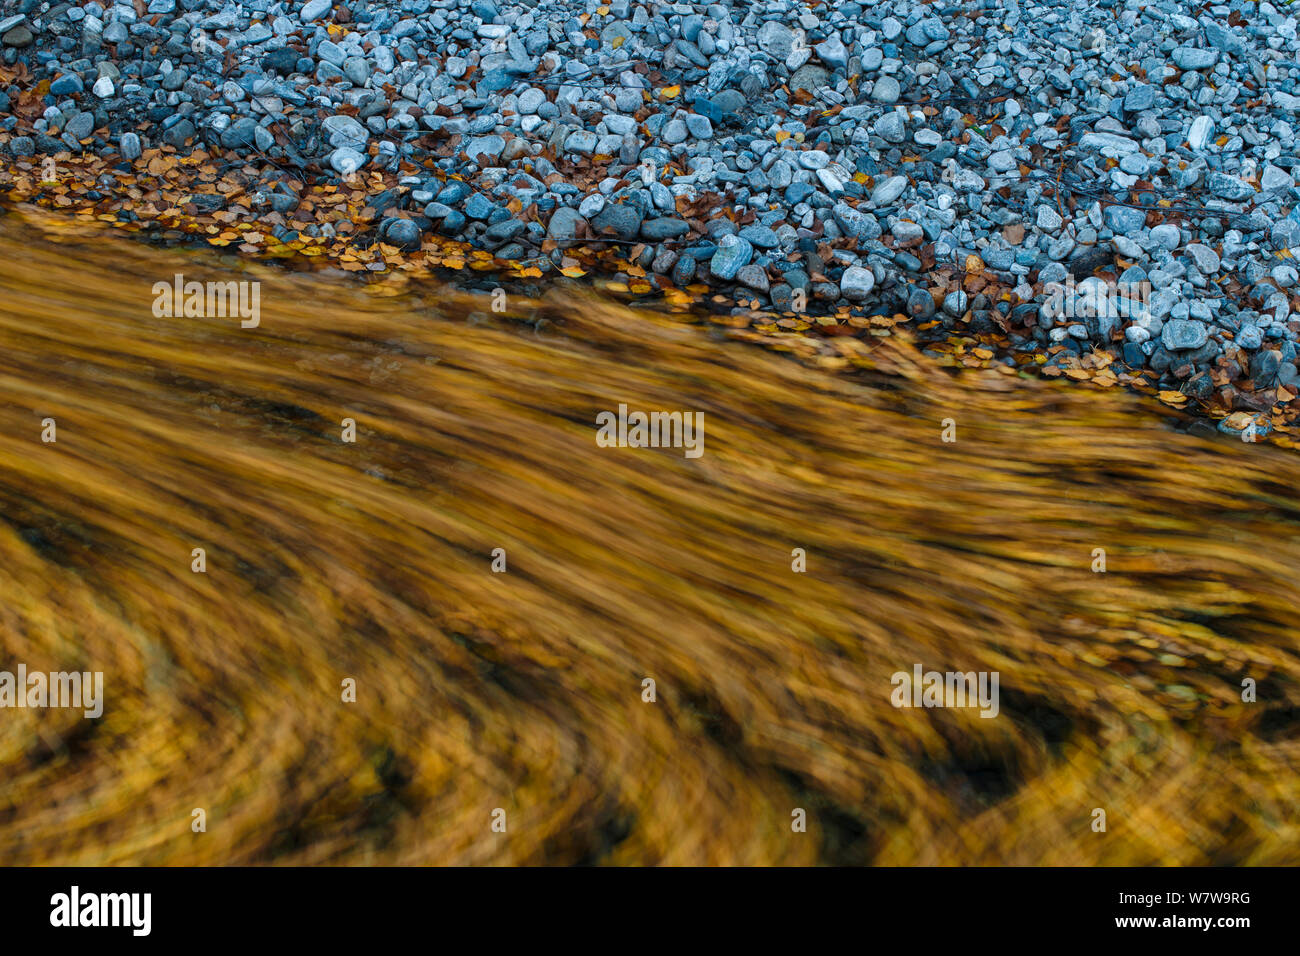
x=523 y=690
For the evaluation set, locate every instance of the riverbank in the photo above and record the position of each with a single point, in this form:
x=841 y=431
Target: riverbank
x=838 y=344
x=805 y=170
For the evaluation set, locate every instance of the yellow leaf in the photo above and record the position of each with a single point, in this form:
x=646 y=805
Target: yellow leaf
x=573 y=272
x=1172 y=398
x=1238 y=420
x=618 y=42
x=670 y=92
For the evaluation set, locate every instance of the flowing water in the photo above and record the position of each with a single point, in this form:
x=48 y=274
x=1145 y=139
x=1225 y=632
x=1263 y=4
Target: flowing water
x=523 y=690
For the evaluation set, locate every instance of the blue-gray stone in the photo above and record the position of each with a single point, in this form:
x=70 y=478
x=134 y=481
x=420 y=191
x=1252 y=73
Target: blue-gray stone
x=479 y=206
x=582 y=142
x=564 y=224
x=453 y=193
x=1222 y=38
x=920 y=303
x=494 y=81
x=856 y=283
x=775 y=39
x=699 y=126
x=760 y=237
x=1203 y=257
x=621 y=220
x=797 y=193
x=331 y=53
x=239 y=133
x=674 y=132
x=1286 y=231
x=888 y=190
x=1194 y=58
x=130 y=147
x=485 y=150
x=891 y=127
x=733 y=252
x=1229 y=187
x=1141 y=97
x=1181 y=334
x=656 y=230
x=1135 y=164
x=753 y=276
x=1124 y=220
x=80 y=126
x=852 y=222
x=710 y=110
x=1250 y=337
x=66 y=85
x=402 y=233
x=453 y=224
x=314 y=10
x=178 y=133
x=833 y=53
x=503 y=231
x=344 y=130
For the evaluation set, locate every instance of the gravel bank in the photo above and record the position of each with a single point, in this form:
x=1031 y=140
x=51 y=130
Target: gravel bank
x=1071 y=177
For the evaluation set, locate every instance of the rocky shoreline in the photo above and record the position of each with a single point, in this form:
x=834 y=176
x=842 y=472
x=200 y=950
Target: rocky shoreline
x=1060 y=181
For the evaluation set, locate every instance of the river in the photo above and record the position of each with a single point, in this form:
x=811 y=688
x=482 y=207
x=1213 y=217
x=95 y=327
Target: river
x=523 y=689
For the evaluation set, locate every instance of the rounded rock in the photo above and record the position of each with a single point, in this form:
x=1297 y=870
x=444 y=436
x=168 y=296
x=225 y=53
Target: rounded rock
x=856 y=283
